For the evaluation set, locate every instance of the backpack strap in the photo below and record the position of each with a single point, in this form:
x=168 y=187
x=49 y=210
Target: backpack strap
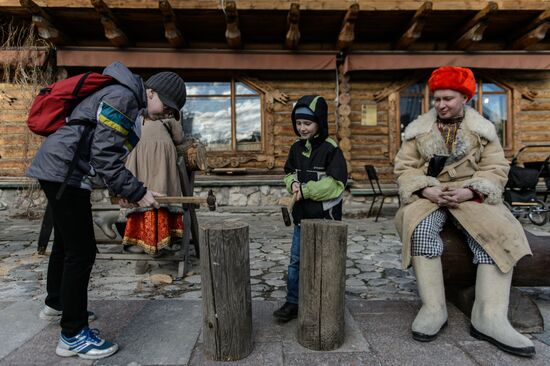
x=89 y=126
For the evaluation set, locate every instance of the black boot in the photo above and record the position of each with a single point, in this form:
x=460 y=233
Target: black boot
x=287 y=312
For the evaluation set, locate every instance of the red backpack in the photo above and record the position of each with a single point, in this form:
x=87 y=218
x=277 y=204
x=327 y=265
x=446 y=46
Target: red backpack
x=54 y=104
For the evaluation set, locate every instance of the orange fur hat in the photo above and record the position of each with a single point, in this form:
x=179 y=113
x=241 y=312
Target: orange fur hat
x=460 y=79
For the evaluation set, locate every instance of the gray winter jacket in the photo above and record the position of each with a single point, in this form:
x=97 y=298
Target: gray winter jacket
x=114 y=110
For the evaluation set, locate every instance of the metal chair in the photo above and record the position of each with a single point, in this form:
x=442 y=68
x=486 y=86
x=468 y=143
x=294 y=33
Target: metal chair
x=377 y=191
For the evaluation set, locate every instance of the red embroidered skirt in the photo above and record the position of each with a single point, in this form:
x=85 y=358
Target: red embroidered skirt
x=153 y=230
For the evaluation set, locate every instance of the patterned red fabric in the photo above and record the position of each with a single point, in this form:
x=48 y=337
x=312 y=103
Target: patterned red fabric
x=460 y=79
x=153 y=230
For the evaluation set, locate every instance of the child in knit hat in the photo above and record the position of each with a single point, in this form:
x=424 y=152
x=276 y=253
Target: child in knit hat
x=100 y=132
x=316 y=174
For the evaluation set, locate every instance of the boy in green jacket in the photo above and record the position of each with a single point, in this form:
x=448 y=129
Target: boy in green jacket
x=316 y=175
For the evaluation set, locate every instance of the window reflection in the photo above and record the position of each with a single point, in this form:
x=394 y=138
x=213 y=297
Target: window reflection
x=211 y=115
x=209 y=120
x=208 y=88
x=495 y=109
x=248 y=120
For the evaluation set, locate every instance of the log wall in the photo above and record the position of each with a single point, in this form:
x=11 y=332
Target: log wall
x=17 y=144
x=281 y=125
x=532 y=123
x=376 y=145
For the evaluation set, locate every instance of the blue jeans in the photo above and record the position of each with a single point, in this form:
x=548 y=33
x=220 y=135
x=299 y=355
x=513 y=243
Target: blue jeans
x=294 y=268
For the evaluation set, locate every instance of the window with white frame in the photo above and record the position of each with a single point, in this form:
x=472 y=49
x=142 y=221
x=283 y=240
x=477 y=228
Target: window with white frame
x=226 y=116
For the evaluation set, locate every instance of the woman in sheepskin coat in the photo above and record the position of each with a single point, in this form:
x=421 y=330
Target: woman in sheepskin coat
x=477 y=162
x=468 y=192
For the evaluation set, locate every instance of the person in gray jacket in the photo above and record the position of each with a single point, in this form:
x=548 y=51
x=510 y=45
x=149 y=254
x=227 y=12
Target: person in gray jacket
x=91 y=146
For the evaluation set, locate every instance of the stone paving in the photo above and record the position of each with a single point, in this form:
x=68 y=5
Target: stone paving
x=373 y=266
x=380 y=305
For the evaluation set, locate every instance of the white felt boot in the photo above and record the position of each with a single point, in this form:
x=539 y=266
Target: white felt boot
x=105 y=220
x=490 y=312
x=432 y=317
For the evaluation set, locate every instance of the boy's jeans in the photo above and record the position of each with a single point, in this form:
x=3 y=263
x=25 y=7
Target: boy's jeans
x=294 y=268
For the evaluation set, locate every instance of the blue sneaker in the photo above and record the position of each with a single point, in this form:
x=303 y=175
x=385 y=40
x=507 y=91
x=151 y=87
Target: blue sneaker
x=85 y=344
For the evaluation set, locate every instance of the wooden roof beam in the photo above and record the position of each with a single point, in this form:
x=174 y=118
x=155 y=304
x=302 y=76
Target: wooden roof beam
x=112 y=31
x=532 y=37
x=473 y=30
x=541 y=18
x=531 y=33
x=475 y=34
x=44 y=23
x=232 y=31
x=414 y=29
x=347 y=33
x=171 y=31
x=293 y=34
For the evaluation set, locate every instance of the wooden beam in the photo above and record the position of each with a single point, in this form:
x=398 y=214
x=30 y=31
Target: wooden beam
x=347 y=33
x=44 y=23
x=293 y=19
x=305 y=5
x=532 y=37
x=108 y=20
x=473 y=30
x=232 y=31
x=414 y=29
x=171 y=31
x=541 y=18
x=475 y=34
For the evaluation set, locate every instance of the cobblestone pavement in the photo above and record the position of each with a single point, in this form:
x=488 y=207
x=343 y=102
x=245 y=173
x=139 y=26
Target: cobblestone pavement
x=373 y=264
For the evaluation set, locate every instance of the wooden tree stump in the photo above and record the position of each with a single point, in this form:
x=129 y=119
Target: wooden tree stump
x=322 y=284
x=225 y=277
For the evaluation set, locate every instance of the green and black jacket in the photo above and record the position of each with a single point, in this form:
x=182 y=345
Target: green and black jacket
x=319 y=166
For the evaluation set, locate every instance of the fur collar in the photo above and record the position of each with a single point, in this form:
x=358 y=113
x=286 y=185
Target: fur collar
x=473 y=121
x=430 y=142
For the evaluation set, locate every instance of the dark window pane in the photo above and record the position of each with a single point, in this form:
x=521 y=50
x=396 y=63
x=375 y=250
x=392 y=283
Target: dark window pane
x=473 y=102
x=410 y=104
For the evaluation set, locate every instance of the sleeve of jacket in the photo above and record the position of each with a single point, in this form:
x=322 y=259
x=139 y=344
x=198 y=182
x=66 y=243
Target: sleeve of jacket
x=409 y=168
x=110 y=144
x=290 y=170
x=492 y=173
x=331 y=186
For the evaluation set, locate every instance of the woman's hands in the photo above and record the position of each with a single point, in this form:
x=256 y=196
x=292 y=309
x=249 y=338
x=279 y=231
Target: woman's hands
x=447 y=197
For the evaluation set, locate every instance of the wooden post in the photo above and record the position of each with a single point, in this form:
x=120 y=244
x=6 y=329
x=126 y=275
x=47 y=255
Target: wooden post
x=227 y=304
x=322 y=284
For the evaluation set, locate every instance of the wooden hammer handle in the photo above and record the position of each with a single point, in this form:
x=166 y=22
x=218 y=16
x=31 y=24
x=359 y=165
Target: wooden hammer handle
x=167 y=200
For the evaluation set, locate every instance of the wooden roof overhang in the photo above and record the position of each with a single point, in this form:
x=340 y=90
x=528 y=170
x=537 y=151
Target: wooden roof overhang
x=296 y=28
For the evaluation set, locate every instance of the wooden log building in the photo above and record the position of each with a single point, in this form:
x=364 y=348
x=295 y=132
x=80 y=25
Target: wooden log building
x=246 y=62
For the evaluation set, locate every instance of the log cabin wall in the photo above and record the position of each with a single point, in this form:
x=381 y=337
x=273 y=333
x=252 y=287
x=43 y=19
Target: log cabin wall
x=374 y=145
x=371 y=144
x=532 y=124
x=281 y=125
x=18 y=145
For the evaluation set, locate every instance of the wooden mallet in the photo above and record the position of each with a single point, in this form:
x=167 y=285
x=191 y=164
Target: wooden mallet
x=210 y=200
x=287 y=211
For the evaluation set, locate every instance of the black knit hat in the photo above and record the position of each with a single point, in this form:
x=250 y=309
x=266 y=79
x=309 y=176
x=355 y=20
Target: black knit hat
x=171 y=90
